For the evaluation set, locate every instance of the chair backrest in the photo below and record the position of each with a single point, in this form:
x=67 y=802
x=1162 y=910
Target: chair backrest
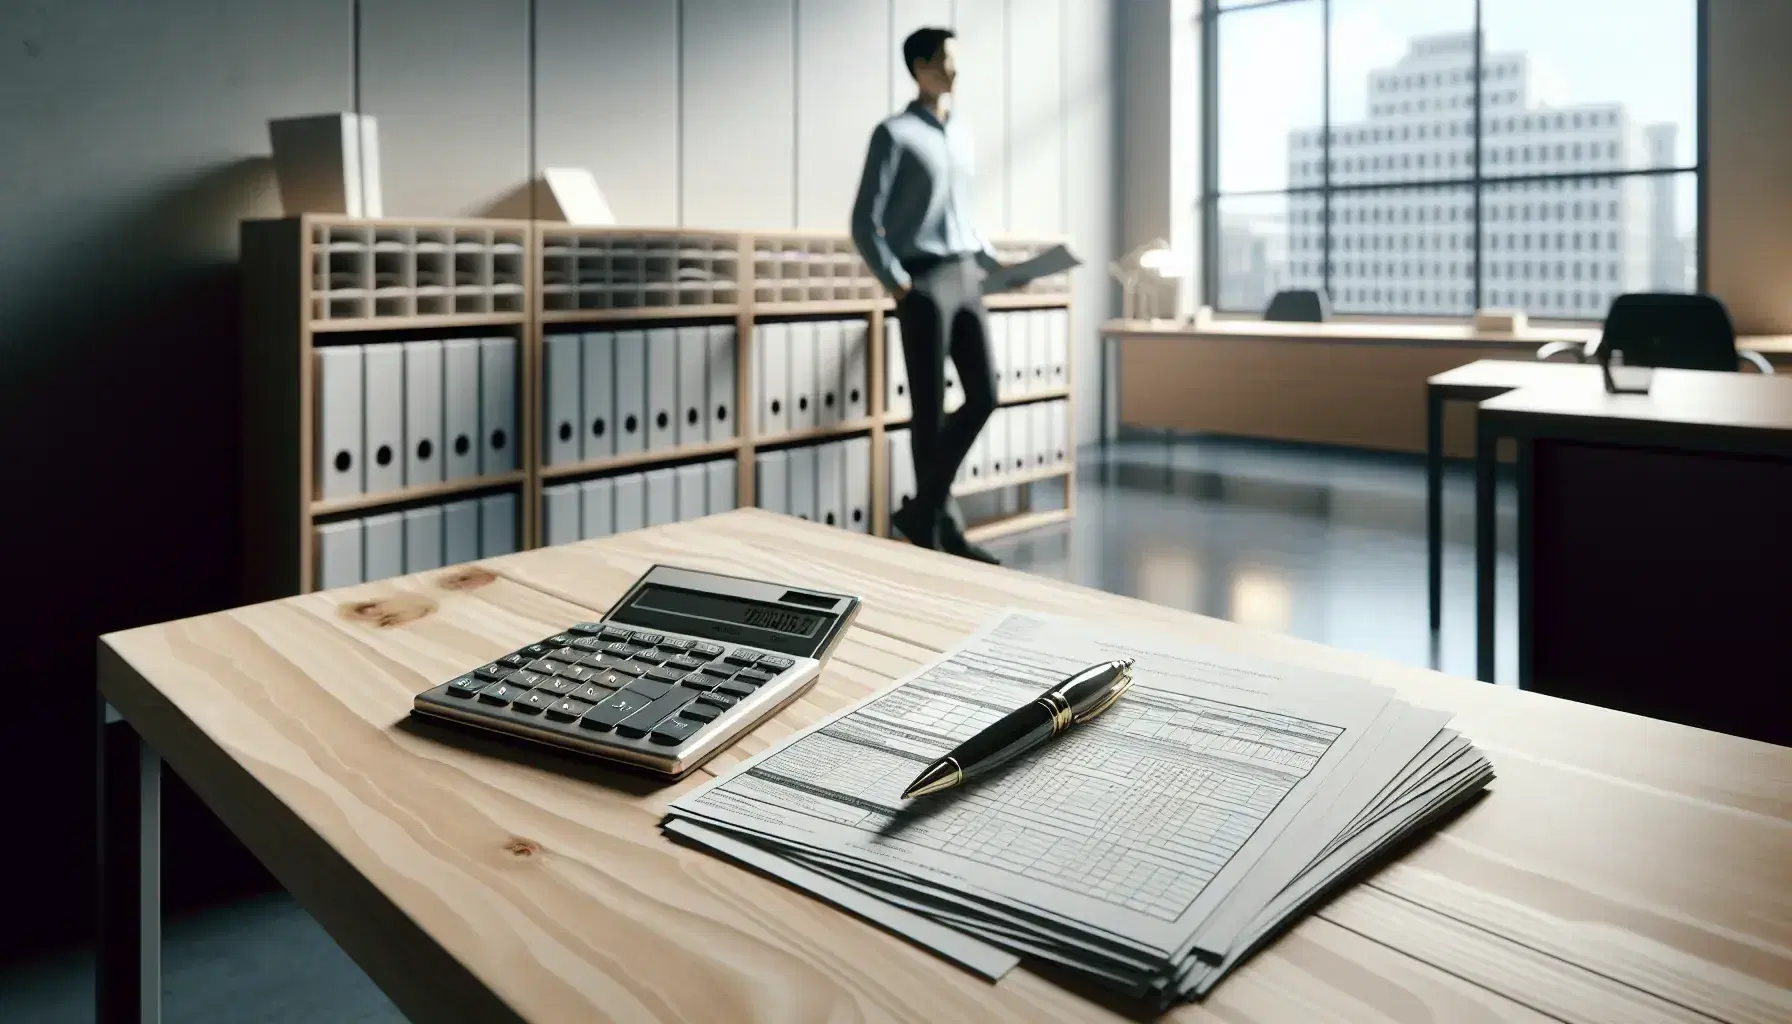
x=1302 y=305
x=1670 y=330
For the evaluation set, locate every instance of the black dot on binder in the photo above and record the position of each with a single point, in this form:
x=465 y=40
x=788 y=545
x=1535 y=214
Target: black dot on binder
x=598 y=427
x=973 y=470
x=662 y=420
x=499 y=440
x=425 y=449
x=802 y=403
x=902 y=389
x=830 y=518
x=858 y=515
x=462 y=443
x=853 y=395
x=721 y=413
x=828 y=400
x=384 y=455
x=631 y=424
x=691 y=415
x=777 y=407
x=343 y=461
x=565 y=431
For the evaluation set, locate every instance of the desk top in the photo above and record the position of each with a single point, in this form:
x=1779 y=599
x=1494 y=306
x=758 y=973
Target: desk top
x=1506 y=374
x=1702 y=398
x=1347 y=331
x=1623 y=869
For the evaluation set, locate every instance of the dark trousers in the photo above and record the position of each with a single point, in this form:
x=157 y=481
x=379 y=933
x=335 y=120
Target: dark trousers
x=942 y=315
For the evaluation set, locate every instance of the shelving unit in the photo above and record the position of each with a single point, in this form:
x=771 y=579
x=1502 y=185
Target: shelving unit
x=313 y=282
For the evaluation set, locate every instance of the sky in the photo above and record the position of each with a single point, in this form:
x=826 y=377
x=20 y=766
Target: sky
x=1636 y=52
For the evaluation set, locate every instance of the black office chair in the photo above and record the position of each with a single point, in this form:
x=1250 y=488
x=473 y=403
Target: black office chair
x=1299 y=305
x=1666 y=330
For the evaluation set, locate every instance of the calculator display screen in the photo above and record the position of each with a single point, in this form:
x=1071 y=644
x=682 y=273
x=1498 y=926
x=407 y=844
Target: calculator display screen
x=735 y=610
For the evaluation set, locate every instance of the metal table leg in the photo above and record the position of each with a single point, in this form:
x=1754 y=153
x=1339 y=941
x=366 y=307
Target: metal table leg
x=1434 y=503
x=1485 y=553
x=129 y=955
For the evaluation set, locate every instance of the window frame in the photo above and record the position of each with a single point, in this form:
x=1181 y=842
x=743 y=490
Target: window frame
x=1211 y=19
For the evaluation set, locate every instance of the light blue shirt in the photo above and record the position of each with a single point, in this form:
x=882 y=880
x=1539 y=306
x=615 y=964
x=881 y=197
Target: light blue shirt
x=915 y=195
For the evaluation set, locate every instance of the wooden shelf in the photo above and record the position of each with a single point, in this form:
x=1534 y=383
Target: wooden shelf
x=409 y=323
x=893 y=420
x=1025 y=300
x=840 y=306
x=1017 y=523
x=725 y=311
x=679 y=454
x=816 y=433
x=331 y=506
x=1031 y=476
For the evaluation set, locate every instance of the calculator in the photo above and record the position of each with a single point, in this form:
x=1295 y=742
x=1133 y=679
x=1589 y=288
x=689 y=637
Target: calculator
x=683 y=665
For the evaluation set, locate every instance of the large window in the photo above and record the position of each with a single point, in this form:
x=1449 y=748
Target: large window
x=1371 y=149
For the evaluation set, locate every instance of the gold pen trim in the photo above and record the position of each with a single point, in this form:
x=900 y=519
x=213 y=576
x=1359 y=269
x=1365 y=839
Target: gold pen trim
x=1120 y=685
x=1058 y=707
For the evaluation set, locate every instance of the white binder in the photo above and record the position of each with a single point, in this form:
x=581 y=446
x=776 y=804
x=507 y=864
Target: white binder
x=998 y=351
x=662 y=496
x=693 y=384
x=382 y=402
x=772 y=488
x=597 y=508
x=497 y=405
x=724 y=492
x=803 y=400
x=562 y=420
x=995 y=445
x=423 y=539
x=422 y=413
x=901 y=462
x=597 y=398
x=382 y=546
x=1060 y=419
x=1058 y=350
x=1020 y=434
x=1020 y=324
x=970 y=471
x=718 y=415
x=802 y=482
x=1039 y=343
x=830 y=358
x=857 y=483
x=855 y=370
x=560 y=514
x=340 y=469
x=771 y=377
x=954 y=393
x=338 y=554
x=631 y=502
x=693 y=492
x=896 y=402
x=630 y=408
x=1040 y=443
x=460 y=532
x=497 y=525
x=460 y=408
x=662 y=389
x=830 y=484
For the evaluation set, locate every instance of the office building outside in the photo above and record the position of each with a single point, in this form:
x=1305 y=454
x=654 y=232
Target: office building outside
x=1556 y=248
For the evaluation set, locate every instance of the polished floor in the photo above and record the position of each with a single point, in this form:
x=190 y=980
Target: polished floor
x=1325 y=545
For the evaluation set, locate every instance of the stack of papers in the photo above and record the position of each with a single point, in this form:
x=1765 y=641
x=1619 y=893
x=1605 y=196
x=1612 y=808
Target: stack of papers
x=1151 y=850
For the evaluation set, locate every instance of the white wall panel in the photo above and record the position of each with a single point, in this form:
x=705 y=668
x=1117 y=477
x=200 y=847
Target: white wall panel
x=840 y=97
x=739 y=128
x=1036 y=151
x=982 y=99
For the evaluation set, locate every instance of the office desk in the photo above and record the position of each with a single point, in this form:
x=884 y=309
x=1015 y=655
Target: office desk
x=1622 y=869
x=1709 y=459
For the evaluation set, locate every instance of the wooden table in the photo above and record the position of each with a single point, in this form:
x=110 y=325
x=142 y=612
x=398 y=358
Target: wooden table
x=1622 y=870
x=1705 y=413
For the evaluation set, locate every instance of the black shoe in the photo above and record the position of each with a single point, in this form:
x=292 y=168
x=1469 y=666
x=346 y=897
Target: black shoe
x=916 y=527
x=952 y=539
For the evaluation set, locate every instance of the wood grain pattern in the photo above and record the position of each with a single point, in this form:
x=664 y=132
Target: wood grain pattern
x=1622 y=869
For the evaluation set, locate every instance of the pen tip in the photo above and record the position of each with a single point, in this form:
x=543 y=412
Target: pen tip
x=942 y=774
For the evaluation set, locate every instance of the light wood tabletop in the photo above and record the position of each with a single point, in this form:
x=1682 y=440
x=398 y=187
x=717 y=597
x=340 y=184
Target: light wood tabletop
x=1622 y=869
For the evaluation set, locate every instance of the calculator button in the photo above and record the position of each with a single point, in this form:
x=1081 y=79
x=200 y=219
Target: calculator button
x=719 y=671
x=652 y=689
x=579 y=673
x=612 y=711
x=558 y=640
x=591 y=693
x=742 y=657
x=753 y=675
x=697 y=711
x=502 y=693
x=687 y=663
x=674 y=731
x=495 y=671
x=515 y=660
x=677 y=643
x=566 y=655
x=706 y=650
x=559 y=685
x=543 y=666
x=534 y=651
x=584 y=628
x=611 y=633
x=650 y=657
x=621 y=650
x=720 y=700
x=611 y=663
x=774 y=662
x=566 y=709
x=642 y=722
x=666 y=674
x=648 y=639
x=588 y=643
x=698 y=681
x=736 y=689
x=533 y=702
x=523 y=679
x=467 y=686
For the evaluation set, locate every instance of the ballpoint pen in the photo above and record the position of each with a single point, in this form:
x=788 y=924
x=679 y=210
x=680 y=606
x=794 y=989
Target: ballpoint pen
x=1071 y=702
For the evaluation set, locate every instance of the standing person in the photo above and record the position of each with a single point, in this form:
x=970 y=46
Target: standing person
x=912 y=224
